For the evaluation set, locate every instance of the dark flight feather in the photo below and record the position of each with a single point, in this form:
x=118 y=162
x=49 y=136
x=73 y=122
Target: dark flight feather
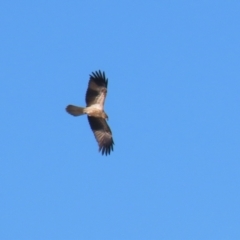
x=97 y=88
x=102 y=133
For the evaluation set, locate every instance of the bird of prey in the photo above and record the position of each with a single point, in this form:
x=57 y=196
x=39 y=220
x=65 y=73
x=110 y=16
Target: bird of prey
x=95 y=98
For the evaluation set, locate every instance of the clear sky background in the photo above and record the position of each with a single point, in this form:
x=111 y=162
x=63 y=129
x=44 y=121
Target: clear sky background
x=173 y=106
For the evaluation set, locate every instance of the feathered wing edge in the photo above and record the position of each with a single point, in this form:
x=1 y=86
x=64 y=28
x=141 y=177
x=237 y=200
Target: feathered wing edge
x=102 y=133
x=97 y=88
x=99 y=78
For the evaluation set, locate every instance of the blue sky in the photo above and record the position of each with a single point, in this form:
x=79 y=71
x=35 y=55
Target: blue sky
x=173 y=106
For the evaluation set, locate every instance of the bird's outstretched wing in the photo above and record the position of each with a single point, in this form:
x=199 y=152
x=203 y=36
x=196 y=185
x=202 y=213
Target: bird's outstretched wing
x=102 y=133
x=97 y=89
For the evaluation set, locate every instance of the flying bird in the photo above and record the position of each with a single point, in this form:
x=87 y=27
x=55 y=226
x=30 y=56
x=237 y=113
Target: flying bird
x=95 y=98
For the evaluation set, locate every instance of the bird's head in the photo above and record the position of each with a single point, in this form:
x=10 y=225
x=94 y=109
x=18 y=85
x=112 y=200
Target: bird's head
x=105 y=116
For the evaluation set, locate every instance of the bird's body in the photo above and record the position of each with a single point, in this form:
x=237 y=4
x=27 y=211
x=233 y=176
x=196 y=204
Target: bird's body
x=95 y=98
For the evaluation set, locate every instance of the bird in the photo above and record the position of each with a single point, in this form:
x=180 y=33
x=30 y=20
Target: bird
x=95 y=98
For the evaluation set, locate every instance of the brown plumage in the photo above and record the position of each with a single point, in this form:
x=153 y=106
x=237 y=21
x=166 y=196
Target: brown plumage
x=95 y=98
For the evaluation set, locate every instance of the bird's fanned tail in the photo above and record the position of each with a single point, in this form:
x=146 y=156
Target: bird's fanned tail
x=74 y=110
